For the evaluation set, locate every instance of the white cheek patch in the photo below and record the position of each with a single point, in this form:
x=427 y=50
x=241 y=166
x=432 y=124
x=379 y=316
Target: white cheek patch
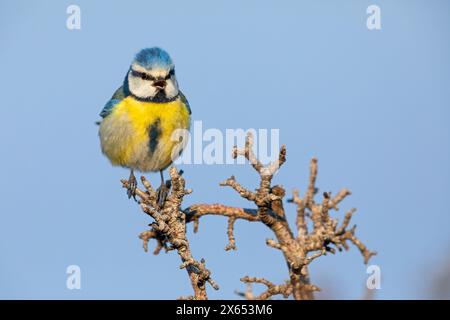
x=171 y=89
x=141 y=88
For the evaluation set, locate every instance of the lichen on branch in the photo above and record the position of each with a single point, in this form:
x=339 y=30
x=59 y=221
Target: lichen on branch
x=316 y=232
x=169 y=230
x=299 y=249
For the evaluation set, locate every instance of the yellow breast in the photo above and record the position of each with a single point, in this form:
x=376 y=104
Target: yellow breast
x=139 y=135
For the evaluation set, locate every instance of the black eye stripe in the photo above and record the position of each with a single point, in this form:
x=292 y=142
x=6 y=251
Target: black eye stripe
x=145 y=76
x=170 y=74
x=141 y=75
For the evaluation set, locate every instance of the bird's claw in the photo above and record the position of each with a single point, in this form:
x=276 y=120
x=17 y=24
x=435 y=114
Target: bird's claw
x=162 y=192
x=132 y=186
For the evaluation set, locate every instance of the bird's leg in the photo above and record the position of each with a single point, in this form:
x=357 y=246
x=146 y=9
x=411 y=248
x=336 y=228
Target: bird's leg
x=132 y=185
x=163 y=190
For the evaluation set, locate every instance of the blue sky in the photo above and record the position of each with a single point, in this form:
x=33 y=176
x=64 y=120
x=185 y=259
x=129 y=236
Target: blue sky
x=373 y=106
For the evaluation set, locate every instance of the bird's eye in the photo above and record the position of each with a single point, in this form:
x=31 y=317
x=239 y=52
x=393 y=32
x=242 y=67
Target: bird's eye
x=144 y=76
x=170 y=74
x=141 y=75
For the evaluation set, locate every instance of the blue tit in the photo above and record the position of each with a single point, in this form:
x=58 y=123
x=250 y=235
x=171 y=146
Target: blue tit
x=139 y=121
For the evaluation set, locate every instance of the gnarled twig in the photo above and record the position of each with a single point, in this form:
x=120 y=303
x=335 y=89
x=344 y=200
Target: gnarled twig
x=300 y=250
x=169 y=230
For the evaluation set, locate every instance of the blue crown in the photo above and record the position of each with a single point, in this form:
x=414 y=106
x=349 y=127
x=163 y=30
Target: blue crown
x=153 y=58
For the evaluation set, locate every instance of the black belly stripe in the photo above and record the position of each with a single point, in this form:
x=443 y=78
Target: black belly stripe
x=154 y=132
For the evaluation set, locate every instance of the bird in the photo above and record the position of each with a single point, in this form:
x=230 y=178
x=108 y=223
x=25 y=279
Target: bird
x=141 y=124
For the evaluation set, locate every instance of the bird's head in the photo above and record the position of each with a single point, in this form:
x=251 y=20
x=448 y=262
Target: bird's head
x=152 y=76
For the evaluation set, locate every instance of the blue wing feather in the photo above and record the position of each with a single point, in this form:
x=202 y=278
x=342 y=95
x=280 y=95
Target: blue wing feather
x=118 y=96
x=108 y=108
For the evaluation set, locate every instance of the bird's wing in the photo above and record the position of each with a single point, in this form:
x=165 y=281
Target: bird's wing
x=184 y=100
x=118 y=96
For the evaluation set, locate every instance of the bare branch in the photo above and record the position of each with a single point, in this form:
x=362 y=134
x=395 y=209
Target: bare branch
x=272 y=289
x=169 y=229
x=231 y=244
x=338 y=198
x=312 y=183
x=299 y=251
x=231 y=182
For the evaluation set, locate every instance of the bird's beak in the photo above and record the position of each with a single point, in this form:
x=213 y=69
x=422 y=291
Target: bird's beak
x=159 y=84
